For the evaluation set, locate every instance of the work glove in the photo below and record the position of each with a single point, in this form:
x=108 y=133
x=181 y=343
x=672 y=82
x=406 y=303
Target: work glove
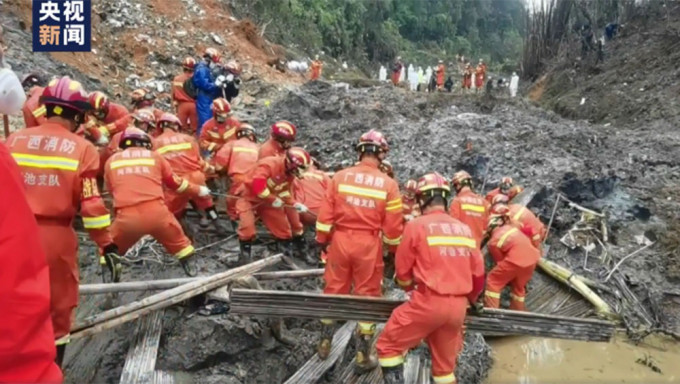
x=301 y=208
x=102 y=140
x=277 y=203
x=220 y=80
x=230 y=78
x=408 y=217
x=203 y=191
x=110 y=264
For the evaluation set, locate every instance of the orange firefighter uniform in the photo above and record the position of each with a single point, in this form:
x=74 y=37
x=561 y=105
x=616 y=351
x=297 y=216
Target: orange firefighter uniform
x=182 y=153
x=136 y=176
x=264 y=183
x=411 y=208
x=397 y=67
x=467 y=77
x=441 y=71
x=27 y=350
x=271 y=147
x=528 y=223
x=439 y=257
x=186 y=106
x=238 y=158
x=493 y=193
x=59 y=170
x=317 y=67
x=310 y=190
x=516 y=259
x=117 y=119
x=480 y=75
x=361 y=203
x=33 y=111
x=214 y=135
x=472 y=210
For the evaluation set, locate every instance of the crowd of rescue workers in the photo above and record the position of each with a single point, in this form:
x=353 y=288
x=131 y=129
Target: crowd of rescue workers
x=79 y=147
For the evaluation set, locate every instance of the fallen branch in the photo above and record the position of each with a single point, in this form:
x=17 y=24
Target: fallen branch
x=626 y=258
x=132 y=311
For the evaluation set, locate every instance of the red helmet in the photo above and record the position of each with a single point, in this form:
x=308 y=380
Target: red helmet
x=500 y=210
x=433 y=184
x=386 y=168
x=233 y=67
x=66 y=93
x=410 y=187
x=221 y=107
x=514 y=191
x=134 y=137
x=500 y=199
x=284 y=131
x=189 y=63
x=168 y=120
x=461 y=179
x=142 y=98
x=372 y=139
x=213 y=54
x=144 y=116
x=505 y=184
x=100 y=104
x=297 y=159
x=244 y=130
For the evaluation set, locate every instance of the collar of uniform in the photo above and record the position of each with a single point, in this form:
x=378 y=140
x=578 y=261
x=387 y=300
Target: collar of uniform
x=369 y=162
x=435 y=211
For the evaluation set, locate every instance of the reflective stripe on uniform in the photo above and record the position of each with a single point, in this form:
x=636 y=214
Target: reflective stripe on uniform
x=214 y=134
x=493 y=295
x=131 y=162
x=445 y=379
x=404 y=283
x=517 y=298
x=366 y=328
x=284 y=194
x=389 y=362
x=312 y=174
x=264 y=193
x=505 y=237
x=178 y=84
x=361 y=191
x=45 y=162
x=229 y=133
x=185 y=252
x=63 y=340
x=212 y=146
x=519 y=214
x=327 y=321
x=394 y=241
x=183 y=186
x=245 y=149
x=174 y=148
x=323 y=227
x=394 y=205
x=39 y=111
x=473 y=208
x=451 y=240
x=97 y=222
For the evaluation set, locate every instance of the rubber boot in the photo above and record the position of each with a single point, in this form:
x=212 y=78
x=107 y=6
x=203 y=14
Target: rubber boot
x=189 y=265
x=219 y=227
x=324 y=347
x=366 y=360
x=393 y=375
x=245 y=256
x=286 y=247
x=61 y=351
x=281 y=333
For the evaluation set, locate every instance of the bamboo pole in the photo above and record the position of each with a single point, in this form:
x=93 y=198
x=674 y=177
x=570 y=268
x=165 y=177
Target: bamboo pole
x=131 y=286
x=140 y=362
x=574 y=281
x=132 y=311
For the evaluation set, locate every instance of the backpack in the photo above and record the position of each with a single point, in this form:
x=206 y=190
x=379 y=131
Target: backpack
x=190 y=88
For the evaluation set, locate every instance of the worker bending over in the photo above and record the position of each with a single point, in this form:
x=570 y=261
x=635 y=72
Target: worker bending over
x=438 y=259
x=411 y=209
x=361 y=204
x=220 y=129
x=468 y=207
x=281 y=138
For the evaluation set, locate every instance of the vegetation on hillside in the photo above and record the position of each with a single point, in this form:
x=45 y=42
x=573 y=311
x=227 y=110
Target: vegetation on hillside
x=370 y=31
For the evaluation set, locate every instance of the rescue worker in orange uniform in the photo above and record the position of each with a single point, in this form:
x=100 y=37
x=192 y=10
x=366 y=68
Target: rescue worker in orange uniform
x=27 y=353
x=220 y=129
x=361 y=204
x=59 y=172
x=503 y=188
x=106 y=118
x=33 y=111
x=514 y=191
x=480 y=75
x=397 y=67
x=237 y=158
x=439 y=262
x=182 y=153
x=136 y=177
x=411 y=208
x=386 y=168
x=142 y=119
x=441 y=73
x=468 y=207
x=185 y=105
x=467 y=77
x=515 y=257
x=281 y=138
x=266 y=192
x=310 y=190
x=524 y=218
x=143 y=98
x=317 y=67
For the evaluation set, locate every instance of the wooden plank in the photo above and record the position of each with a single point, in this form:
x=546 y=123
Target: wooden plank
x=140 y=363
x=162 y=377
x=315 y=368
x=411 y=368
x=425 y=373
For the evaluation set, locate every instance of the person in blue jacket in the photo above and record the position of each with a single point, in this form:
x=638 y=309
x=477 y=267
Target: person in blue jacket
x=206 y=87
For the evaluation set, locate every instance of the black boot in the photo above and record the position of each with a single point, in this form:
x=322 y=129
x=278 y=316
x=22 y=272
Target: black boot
x=220 y=228
x=61 y=350
x=234 y=225
x=324 y=347
x=366 y=359
x=393 y=375
x=286 y=247
x=189 y=265
x=246 y=252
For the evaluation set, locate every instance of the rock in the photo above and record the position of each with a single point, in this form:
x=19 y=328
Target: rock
x=217 y=39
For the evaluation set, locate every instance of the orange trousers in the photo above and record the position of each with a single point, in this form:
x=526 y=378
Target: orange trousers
x=505 y=273
x=354 y=258
x=150 y=218
x=186 y=112
x=60 y=243
x=283 y=223
x=177 y=202
x=395 y=77
x=427 y=315
x=234 y=188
